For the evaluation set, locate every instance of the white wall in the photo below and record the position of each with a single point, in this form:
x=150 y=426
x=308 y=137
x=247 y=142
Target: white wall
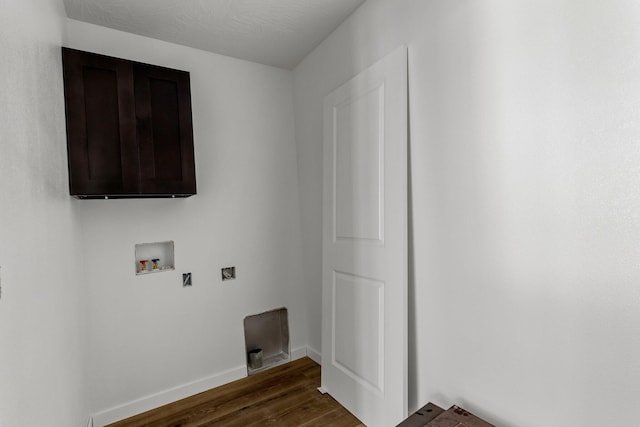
x=149 y=334
x=525 y=121
x=42 y=321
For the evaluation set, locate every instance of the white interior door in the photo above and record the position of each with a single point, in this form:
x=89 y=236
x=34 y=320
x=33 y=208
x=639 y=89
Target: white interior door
x=364 y=298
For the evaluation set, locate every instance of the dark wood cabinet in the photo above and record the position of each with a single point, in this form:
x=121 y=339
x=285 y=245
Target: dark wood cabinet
x=129 y=128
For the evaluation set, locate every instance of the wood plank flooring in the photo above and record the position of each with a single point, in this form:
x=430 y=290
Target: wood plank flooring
x=282 y=396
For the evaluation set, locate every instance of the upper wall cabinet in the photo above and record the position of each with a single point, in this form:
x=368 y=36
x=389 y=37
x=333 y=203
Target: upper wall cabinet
x=129 y=128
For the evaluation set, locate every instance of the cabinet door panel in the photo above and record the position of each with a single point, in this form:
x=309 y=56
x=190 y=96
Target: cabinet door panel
x=100 y=124
x=165 y=136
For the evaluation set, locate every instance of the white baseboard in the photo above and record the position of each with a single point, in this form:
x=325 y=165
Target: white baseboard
x=301 y=352
x=314 y=355
x=144 y=404
x=298 y=353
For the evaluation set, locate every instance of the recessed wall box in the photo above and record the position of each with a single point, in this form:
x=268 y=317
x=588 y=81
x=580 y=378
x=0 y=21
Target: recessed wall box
x=266 y=335
x=154 y=257
x=228 y=273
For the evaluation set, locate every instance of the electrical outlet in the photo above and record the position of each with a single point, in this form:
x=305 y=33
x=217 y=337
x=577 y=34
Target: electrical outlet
x=186 y=279
x=228 y=273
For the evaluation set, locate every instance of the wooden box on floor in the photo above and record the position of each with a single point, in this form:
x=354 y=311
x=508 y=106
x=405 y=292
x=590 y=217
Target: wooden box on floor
x=422 y=416
x=432 y=415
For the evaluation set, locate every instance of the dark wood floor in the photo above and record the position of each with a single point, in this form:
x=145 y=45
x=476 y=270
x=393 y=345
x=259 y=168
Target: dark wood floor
x=282 y=396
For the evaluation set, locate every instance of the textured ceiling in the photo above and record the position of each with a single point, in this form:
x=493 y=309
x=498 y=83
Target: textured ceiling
x=272 y=32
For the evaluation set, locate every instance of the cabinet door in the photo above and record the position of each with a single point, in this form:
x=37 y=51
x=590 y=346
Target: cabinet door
x=165 y=135
x=101 y=136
